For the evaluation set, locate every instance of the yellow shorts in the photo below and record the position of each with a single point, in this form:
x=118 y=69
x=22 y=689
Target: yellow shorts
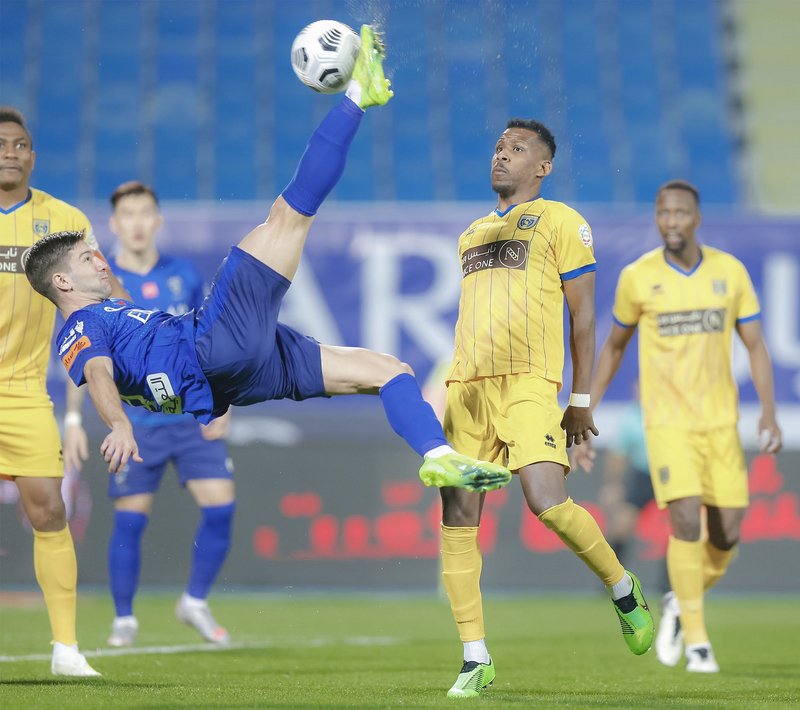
x=513 y=420
x=30 y=444
x=709 y=464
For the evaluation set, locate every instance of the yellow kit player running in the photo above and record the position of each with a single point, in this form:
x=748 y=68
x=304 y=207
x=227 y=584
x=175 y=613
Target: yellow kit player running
x=518 y=263
x=686 y=301
x=30 y=451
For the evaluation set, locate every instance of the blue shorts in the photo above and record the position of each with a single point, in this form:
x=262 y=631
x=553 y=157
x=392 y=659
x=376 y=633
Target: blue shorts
x=181 y=443
x=244 y=352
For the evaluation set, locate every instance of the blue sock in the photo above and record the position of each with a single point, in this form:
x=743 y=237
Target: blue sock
x=323 y=162
x=124 y=558
x=410 y=415
x=211 y=544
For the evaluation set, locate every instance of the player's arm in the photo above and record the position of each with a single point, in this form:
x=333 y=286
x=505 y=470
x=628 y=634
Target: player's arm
x=119 y=445
x=76 y=443
x=609 y=360
x=577 y=421
x=761 y=371
x=217 y=428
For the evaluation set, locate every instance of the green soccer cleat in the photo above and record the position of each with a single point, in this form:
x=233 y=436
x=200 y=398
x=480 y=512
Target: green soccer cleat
x=472 y=679
x=453 y=470
x=368 y=70
x=635 y=619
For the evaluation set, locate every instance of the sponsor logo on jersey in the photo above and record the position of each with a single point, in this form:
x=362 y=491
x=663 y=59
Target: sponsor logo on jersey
x=150 y=289
x=502 y=254
x=41 y=227
x=528 y=221
x=703 y=320
x=12 y=259
x=585 y=235
x=163 y=393
x=80 y=344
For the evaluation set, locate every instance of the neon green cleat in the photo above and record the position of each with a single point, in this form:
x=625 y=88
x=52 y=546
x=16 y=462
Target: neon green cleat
x=368 y=71
x=636 y=622
x=454 y=470
x=472 y=679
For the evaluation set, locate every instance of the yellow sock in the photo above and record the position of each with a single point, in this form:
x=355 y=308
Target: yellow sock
x=580 y=533
x=715 y=564
x=57 y=573
x=685 y=567
x=461 y=574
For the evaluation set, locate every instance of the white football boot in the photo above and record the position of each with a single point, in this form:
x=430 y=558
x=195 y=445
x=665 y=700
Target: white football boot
x=68 y=661
x=195 y=612
x=700 y=659
x=123 y=631
x=669 y=640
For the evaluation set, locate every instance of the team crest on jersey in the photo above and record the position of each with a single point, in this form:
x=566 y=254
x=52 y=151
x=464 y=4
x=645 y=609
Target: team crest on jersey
x=175 y=285
x=656 y=289
x=528 y=221
x=663 y=474
x=586 y=235
x=41 y=227
x=720 y=287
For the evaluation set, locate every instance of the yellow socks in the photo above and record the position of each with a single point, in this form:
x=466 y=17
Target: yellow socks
x=461 y=574
x=579 y=531
x=57 y=573
x=685 y=567
x=715 y=564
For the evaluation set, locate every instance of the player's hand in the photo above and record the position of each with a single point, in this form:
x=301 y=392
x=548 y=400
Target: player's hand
x=118 y=447
x=217 y=428
x=76 y=447
x=770 y=438
x=583 y=456
x=578 y=424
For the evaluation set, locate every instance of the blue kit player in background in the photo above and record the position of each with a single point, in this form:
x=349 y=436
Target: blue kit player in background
x=233 y=351
x=173 y=285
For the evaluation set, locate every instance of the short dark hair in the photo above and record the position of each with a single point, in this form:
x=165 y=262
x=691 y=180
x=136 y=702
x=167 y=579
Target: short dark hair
x=45 y=258
x=132 y=187
x=8 y=114
x=680 y=185
x=544 y=133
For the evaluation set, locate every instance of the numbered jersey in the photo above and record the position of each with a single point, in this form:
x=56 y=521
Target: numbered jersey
x=154 y=357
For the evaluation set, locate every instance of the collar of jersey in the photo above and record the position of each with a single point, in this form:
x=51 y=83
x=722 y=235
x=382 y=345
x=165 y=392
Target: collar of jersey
x=18 y=205
x=681 y=271
x=506 y=211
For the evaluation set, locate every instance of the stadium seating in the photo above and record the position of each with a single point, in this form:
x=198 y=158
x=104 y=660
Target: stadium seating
x=197 y=96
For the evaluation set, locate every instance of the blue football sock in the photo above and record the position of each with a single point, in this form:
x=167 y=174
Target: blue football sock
x=410 y=415
x=323 y=162
x=124 y=558
x=211 y=544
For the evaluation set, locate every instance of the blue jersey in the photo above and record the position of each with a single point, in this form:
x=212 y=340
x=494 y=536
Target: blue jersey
x=155 y=361
x=173 y=285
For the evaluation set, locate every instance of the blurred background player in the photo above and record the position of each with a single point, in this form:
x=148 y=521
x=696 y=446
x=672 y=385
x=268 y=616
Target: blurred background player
x=30 y=448
x=687 y=300
x=171 y=284
x=518 y=264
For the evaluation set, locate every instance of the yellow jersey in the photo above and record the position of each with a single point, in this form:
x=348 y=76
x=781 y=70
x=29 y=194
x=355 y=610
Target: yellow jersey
x=26 y=318
x=686 y=321
x=511 y=309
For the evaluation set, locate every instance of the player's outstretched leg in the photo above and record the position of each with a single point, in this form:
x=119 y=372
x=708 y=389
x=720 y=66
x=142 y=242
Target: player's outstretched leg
x=669 y=639
x=635 y=618
x=472 y=679
x=369 y=87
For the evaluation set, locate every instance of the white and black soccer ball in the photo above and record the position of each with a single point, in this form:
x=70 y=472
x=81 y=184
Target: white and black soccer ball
x=324 y=54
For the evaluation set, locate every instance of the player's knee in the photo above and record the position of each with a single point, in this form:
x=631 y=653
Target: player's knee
x=685 y=528
x=50 y=516
x=460 y=508
x=725 y=539
x=555 y=513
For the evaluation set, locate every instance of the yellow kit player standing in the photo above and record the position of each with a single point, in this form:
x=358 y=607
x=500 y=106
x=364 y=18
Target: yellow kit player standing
x=686 y=300
x=30 y=450
x=518 y=263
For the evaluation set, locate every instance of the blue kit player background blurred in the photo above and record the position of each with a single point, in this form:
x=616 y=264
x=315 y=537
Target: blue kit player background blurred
x=170 y=284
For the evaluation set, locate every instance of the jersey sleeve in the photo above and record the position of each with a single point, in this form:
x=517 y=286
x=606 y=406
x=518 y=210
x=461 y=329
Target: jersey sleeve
x=83 y=337
x=627 y=308
x=747 y=307
x=574 y=246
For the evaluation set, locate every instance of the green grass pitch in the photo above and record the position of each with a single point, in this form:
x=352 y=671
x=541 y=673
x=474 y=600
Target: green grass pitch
x=373 y=652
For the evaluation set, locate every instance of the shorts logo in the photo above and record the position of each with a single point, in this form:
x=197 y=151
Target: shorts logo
x=585 y=235
x=705 y=320
x=549 y=441
x=72 y=353
x=528 y=221
x=663 y=474
x=41 y=227
x=720 y=287
x=502 y=254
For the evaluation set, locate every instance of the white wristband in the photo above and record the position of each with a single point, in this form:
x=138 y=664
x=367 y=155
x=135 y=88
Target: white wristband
x=579 y=400
x=73 y=419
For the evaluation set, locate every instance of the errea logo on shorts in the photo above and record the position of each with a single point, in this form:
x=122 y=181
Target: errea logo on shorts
x=586 y=235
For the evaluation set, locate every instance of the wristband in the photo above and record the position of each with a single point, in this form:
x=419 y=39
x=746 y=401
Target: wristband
x=73 y=419
x=579 y=400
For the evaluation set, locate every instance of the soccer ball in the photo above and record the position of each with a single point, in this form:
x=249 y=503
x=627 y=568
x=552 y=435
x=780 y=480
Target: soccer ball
x=324 y=54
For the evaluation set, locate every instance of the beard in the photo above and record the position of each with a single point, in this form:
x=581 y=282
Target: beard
x=502 y=189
